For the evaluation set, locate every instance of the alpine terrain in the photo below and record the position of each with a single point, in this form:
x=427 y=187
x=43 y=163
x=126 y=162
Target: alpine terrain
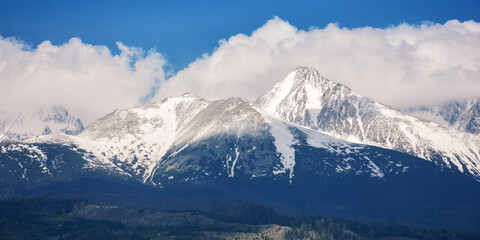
x=309 y=144
x=306 y=98
x=462 y=115
x=39 y=122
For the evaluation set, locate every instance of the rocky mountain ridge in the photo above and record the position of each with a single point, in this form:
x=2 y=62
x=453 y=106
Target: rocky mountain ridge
x=189 y=152
x=306 y=98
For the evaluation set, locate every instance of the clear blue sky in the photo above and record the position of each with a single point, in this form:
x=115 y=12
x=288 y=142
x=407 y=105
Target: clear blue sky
x=183 y=30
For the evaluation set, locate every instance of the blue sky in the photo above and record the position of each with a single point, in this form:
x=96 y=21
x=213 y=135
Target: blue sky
x=183 y=30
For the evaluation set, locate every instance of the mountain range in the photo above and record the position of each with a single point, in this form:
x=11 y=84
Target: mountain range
x=462 y=115
x=307 y=144
x=306 y=98
x=20 y=126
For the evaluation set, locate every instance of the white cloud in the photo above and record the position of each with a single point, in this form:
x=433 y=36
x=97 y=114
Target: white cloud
x=400 y=65
x=88 y=80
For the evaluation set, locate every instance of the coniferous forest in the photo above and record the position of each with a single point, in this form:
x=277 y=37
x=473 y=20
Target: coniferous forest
x=81 y=219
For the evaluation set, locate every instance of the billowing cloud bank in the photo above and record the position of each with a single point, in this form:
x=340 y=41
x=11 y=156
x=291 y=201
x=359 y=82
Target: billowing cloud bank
x=88 y=80
x=401 y=66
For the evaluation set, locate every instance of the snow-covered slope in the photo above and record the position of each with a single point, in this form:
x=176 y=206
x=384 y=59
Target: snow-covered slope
x=190 y=137
x=135 y=139
x=39 y=122
x=306 y=98
x=462 y=115
x=193 y=137
x=233 y=129
x=231 y=149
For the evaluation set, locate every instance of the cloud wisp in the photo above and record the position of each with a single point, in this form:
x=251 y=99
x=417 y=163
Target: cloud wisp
x=86 y=79
x=401 y=65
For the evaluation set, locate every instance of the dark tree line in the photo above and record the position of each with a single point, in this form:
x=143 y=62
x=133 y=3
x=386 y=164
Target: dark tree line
x=315 y=227
x=45 y=218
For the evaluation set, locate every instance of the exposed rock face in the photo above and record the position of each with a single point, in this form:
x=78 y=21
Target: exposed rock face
x=306 y=98
x=189 y=149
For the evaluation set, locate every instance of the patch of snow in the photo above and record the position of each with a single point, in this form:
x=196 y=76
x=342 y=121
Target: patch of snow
x=340 y=169
x=376 y=172
x=32 y=152
x=261 y=175
x=283 y=142
x=232 y=171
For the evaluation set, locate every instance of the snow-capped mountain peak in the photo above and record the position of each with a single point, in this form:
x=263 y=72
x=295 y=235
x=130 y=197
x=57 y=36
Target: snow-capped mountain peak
x=306 y=98
x=304 y=85
x=39 y=122
x=137 y=138
x=146 y=142
x=231 y=149
x=185 y=132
